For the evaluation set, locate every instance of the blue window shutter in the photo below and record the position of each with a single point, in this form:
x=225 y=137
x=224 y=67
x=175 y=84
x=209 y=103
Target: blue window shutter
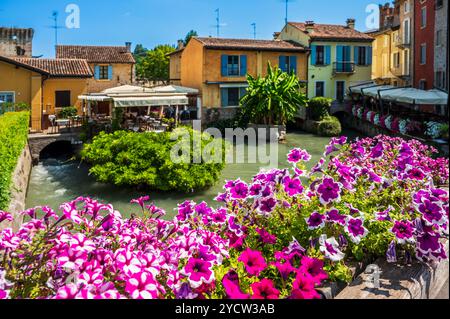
x=243 y=68
x=224 y=65
x=282 y=63
x=293 y=64
x=224 y=97
x=327 y=55
x=110 y=74
x=356 y=54
x=369 y=55
x=242 y=92
x=339 y=53
x=313 y=55
x=97 y=72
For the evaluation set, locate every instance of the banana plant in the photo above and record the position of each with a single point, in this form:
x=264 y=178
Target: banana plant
x=274 y=99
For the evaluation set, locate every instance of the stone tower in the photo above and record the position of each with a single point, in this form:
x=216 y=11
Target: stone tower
x=16 y=42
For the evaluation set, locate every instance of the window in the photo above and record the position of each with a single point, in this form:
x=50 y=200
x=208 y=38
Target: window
x=407 y=6
x=288 y=64
x=361 y=58
x=103 y=72
x=320 y=88
x=439 y=4
x=423 y=17
x=340 y=91
x=406 y=32
x=406 y=65
x=439 y=34
x=440 y=80
x=233 y=65
x=423 y=53
x=62 y=98
x=320 y=55
x=423 y=84
x=7 y=97
x=396 y=60
x=231 y=96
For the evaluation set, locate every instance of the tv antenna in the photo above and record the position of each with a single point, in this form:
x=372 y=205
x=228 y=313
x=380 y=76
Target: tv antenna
x=218 y=25
x=55 y=25
x=286 y=2
x=254 y=30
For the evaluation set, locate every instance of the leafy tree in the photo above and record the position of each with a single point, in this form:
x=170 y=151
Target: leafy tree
x=273 y=99
x=140 y=51
x=155 y=65
x=189 y=35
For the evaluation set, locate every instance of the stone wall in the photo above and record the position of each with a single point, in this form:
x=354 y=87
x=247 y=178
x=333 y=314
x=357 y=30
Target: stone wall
x=19 y=188
x=13 y=40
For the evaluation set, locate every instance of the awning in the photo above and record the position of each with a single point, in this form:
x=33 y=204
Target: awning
x=356 y=89
x=373 y=91
x=95 y=98
x=415 y=96
x=150 y=101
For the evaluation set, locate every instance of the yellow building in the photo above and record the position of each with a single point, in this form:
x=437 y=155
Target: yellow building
x=44 y=84
x=218 y=68
x=391 y=47
x=340 y=56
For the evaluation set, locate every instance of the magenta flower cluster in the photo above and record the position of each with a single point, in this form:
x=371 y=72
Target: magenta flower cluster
x=270 y=238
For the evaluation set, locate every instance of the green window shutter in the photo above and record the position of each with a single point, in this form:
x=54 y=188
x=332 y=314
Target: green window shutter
x=224 y=97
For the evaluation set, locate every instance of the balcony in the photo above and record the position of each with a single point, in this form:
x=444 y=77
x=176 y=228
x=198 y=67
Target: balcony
x=401 y=41
x=343 y=67
x=400 y=72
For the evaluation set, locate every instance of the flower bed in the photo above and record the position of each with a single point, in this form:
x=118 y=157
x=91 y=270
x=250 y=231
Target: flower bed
x=273 y=238
x=429 y=129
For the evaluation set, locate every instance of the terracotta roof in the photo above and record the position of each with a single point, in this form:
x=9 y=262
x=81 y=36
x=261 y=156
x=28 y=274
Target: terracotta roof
x=95 y=54
x=59 y=67
x=333 y=32
x=246 y=44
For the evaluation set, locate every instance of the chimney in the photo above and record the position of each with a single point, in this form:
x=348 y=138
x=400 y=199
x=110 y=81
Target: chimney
x=309 y=25
x=351 y=23
x=128 y=45
x=180 y=44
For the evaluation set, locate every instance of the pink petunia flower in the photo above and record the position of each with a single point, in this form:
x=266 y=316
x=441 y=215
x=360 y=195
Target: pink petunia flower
x=253 y=261
x=142 y=286
x=264 y=290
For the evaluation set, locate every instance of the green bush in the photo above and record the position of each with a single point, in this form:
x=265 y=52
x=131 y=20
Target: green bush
x=319 y=107
x=329 y=126
x=144 y=159
x=13 y=107
x=67 y=112
x=13 y=138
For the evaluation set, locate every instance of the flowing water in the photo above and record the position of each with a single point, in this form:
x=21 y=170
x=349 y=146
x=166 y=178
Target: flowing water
x=58 y=180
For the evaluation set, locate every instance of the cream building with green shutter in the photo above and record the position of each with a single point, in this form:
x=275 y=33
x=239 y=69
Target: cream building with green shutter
x=340 y=56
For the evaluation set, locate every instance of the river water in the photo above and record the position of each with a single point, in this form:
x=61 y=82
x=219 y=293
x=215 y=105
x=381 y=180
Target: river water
x=58 y=180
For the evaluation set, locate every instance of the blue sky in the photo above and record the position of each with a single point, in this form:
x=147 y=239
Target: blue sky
x=152 y=22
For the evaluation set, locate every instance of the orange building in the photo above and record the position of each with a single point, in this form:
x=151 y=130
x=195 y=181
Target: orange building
x=218 y=68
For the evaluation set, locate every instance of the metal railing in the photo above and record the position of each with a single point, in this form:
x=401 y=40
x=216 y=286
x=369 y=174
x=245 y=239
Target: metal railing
x=343 y=67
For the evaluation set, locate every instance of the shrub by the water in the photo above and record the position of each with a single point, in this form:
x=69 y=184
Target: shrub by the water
x=13 y=138
x=144 y=159
x=329 y=126
x=319 y=107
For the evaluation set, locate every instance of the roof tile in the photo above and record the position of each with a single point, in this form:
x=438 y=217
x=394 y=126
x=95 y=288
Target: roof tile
x=247 y=44
x=95 y=54
x=59 y=67
x=333 y=31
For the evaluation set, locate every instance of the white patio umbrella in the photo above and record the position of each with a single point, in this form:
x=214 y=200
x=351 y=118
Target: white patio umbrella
x=415 y=96
x=357 y=88
x=373 y=91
